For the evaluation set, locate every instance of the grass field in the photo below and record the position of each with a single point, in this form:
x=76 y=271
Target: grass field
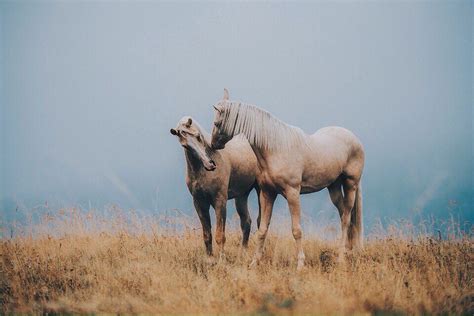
x=82 y=264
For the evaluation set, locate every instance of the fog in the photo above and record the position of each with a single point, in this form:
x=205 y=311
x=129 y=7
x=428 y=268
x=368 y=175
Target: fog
x=89 y=91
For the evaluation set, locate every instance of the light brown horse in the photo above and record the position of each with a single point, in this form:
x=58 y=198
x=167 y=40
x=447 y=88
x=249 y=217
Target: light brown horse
x=291 y=163
x=213 y=177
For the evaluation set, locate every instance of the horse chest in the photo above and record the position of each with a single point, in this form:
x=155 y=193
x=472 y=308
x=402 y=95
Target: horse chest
x=197 y=185
x=204 y=185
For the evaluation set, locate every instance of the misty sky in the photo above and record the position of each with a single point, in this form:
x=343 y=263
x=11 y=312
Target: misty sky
x=89 y=91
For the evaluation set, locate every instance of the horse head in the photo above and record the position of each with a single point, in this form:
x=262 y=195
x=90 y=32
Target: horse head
x=190 y=136
x=219 y=135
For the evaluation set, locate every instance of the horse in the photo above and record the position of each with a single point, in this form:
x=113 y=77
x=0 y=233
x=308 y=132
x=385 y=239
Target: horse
x=213 y=177
x=291 y=163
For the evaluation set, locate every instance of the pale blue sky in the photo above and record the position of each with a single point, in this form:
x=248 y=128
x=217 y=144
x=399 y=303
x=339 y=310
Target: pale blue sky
x=89 y=91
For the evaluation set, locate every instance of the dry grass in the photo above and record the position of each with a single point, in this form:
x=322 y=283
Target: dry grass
x=86 y=267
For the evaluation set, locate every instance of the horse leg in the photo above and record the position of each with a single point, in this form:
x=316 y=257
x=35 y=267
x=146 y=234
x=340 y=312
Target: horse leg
x=350 y=189
x=267 y=198
x=335 y=193
x=241 y=205
x=292 y=196
x=355 y=233
x=257 y=188
x=202 y=209
x=219 y=205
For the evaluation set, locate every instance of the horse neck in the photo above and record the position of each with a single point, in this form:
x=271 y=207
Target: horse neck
x=266 y=133
x=262 y=155
x=193 y=163
x=294 y=144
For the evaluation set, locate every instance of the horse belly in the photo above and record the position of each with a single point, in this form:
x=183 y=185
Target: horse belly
x=313 y=186
x=317 y=179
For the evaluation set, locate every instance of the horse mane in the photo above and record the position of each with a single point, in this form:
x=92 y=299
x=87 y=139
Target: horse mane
x=262 y=129
x=204 y=134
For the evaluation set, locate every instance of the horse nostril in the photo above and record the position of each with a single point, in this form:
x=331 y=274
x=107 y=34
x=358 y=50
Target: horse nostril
x=212 y=162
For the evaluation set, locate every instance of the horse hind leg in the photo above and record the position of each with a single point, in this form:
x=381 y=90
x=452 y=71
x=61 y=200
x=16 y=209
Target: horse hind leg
x=349 y=206
x=355 y=232
x=257 y=189
x=337 y=198
x=353 y=201
x=335 y=193
x=350 y=188
x=241 y=205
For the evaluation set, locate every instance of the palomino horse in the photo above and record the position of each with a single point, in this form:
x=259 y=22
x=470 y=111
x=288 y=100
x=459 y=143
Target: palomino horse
x=291 y=163
x=213 y=177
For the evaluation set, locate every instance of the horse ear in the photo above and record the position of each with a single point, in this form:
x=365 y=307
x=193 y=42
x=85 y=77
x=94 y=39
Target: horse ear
x=217 y=108
x=189 y=122
x=226 y=94
x=173 y=132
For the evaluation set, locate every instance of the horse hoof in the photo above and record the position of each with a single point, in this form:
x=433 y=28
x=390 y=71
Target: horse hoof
x=300 y=261
x=222 y=258
x=211 y=261
x=341 y=257
x=300 y=266
x=253 y=264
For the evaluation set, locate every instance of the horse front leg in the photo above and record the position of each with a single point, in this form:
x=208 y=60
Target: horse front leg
x=266 y=200
x=292 y=196
x=219 y=205
x=202 y=209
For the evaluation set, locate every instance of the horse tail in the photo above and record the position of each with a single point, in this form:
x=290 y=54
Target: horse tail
x=356 y=229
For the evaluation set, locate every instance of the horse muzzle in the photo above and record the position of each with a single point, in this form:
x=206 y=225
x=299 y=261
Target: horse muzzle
x=210 y=165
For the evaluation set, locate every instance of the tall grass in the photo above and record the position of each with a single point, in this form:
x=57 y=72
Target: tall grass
x=81 y=262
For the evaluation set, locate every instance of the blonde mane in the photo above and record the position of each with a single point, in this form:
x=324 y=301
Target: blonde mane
x=260 y=127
